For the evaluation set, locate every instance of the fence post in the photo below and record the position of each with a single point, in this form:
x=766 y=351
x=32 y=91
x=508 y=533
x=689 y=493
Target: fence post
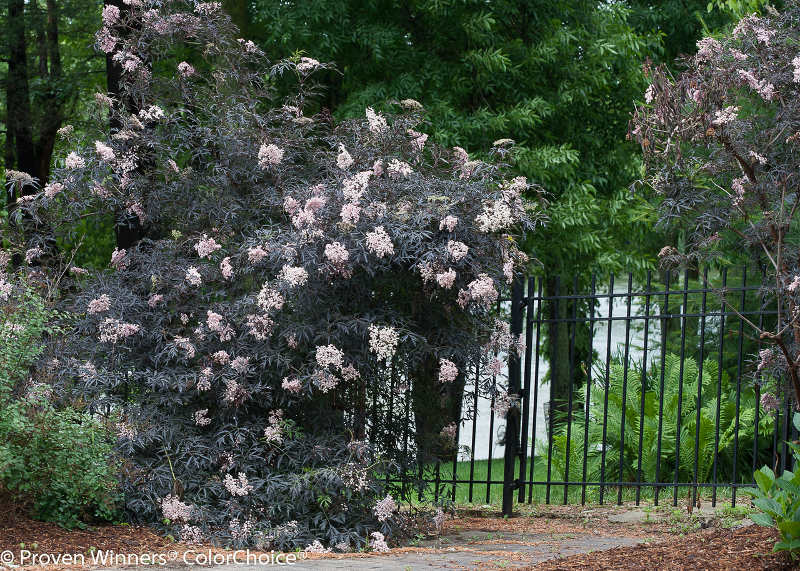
x=512 y=419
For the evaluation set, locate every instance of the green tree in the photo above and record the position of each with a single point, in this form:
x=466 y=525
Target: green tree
x=558 y=78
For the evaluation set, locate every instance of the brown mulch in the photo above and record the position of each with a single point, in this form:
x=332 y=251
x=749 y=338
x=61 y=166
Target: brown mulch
x=50 y=538
x=748 y=548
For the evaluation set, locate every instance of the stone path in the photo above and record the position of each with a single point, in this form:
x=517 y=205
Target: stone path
x=467 y=551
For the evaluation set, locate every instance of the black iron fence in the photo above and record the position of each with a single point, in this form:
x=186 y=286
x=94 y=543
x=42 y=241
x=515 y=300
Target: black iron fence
x=625 y=392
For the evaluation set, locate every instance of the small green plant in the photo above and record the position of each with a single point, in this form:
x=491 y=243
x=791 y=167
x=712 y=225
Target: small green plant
x=52 y=455
x=414 y=541
x=778 y=499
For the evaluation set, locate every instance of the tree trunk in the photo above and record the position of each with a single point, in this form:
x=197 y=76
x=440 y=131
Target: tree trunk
x=237 y=10
x=127 y=228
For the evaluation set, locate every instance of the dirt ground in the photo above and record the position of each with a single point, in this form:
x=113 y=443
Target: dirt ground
x=669 y=538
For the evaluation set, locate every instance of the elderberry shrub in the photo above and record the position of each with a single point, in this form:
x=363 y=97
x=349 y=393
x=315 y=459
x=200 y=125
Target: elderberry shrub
x=294 y=281
x=721 y=144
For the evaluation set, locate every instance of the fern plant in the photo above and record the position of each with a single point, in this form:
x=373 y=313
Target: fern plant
x=664 y=409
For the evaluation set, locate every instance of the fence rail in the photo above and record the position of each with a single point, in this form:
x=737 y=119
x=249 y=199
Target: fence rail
x=649 y=391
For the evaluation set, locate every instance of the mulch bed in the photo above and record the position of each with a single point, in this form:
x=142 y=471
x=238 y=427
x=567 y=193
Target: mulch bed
x=50 y=538
x=748 y=548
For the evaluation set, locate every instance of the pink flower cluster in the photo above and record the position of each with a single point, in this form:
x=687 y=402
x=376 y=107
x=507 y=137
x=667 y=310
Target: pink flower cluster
x=294 y=276
x=110 y=15
x=260 y=326
x=175 y=510
x=204 y=383
x=221 y=357
x=255 y=255
x=51 y=190
x=269 y=155
x=316 y=547
x=185 y=69
x=483 y=290
x=113 y=330
x=186 y=345
x=241 y=531
x=99 y=305
x=206 y=246
x=226 y=268
x=329 y=355
x=448 y=222
x=765 y=89
x=325 y=381
x=449 y=432
x=438 y=519
x=240 y=364
x=248 y=46
x=350 y=213
x=5 y=288
x=307 y=64
x=32 y=254
x=343 y=160
x=349 y=373
x=379 y=242
x=495 y=367
x=74 y=161
x=458 y=250
x=239 y=486
x=119 y=260
x=446 y=279
x=461 y=156
x=447 y=371
x=106 y=40
x=508 y=270
x=707 y=48
x=398 y=169
x=727 y=115
x=377 y=124
x=503 y=404
x=191 y=535
x=193 y=277
x=383 y=341
x=766 y=357
x=292 y=384
x=126 y=431
x=201 y=418
x=385 y=508
x=105 y=152
x=378 y=542
x=770 y=403
x=274 y=432
x=495 y=216
x=208 y=8
x=418 y=140
x=136 y=208
x=336 y=253
x=354 y=187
